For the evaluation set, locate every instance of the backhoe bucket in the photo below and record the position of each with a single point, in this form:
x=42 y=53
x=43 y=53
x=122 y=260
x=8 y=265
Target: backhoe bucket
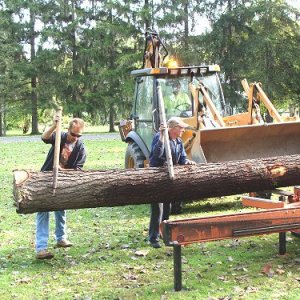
x=250 y=142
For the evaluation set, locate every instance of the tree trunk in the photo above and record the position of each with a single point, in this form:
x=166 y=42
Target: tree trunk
x=111 y=118
x=82 y=189
x=147 y=13
x=186 y=24
x=1 y=119
x=34 y=100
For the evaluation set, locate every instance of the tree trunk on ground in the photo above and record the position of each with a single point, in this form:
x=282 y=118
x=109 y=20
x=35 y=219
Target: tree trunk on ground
x=83 y=189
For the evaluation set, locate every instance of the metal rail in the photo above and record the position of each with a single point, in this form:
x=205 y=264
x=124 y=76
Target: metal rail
x=179 y=233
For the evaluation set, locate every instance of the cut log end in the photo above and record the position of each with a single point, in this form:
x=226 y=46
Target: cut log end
x=20 y=176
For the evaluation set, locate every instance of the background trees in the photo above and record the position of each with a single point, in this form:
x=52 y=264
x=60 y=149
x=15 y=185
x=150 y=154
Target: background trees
x=79 y=54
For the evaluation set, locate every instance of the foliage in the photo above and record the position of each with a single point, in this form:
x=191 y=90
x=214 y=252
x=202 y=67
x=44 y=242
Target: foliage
x=252 y=41
x=79 y=54
x=112 y=260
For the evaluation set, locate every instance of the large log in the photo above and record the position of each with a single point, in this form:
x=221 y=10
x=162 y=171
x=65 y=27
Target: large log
x=82 y=189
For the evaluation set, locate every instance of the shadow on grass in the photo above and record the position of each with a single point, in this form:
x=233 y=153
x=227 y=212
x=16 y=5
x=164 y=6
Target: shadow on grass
x=212 y=205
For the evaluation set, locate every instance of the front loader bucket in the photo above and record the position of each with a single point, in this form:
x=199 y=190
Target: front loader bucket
x=250 y=142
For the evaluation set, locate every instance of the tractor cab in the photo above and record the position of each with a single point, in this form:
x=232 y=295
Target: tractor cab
x=178 y=86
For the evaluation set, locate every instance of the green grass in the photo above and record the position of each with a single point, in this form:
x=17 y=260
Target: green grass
x=88 y=129
x=104 y=263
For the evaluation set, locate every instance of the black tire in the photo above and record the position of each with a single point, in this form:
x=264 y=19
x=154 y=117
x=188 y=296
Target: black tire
x=134 y=157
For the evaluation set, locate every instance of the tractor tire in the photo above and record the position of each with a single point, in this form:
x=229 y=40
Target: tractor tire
x=134 y=157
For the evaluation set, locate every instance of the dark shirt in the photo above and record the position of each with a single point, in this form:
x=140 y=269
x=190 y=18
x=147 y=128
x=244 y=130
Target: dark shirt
x=77 y=157
x=157 y=156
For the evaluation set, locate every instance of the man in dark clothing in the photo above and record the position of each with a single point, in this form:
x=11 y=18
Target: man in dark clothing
x=72 y=156
x=161 y=211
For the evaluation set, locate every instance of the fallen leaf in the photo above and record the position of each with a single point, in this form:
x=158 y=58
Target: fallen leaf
x=85 y=255
x=238 y=289
x=128 y=267
x=142 y=271
x=251 y=289
x=23 y=280
x=130 y=277
x=240 y=268
x=267 y=269
x=234 y=243
x=280 y=271
x=141 y=252
x=297 y=260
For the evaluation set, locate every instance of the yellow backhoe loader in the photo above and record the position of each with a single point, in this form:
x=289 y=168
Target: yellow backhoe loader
x=194 y=93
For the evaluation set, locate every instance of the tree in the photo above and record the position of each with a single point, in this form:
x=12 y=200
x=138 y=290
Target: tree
x=12 y=80
x=252 y=41
x=79 y=54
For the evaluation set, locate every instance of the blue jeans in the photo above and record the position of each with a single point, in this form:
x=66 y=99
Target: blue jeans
x=159 y=213
x=42 y=228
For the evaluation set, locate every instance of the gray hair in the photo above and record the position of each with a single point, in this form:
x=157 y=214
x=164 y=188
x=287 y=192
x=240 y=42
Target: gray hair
x=77 y=122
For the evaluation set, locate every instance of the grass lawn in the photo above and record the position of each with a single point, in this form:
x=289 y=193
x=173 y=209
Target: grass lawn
x=111 y=258
x=88 y=129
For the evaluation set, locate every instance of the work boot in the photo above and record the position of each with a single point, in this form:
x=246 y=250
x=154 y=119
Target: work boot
x=64 y=244
x=44 y=254
x=155 y=245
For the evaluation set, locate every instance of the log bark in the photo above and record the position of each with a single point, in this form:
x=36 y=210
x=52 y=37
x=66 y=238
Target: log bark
x=86 y=189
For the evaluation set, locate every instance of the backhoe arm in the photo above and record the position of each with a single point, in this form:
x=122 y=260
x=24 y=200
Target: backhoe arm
x=256 y=89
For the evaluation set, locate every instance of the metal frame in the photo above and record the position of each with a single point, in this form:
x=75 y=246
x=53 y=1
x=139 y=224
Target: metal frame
x=183 y=232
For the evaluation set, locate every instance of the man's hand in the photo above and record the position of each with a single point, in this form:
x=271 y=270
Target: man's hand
x=57 y=118
x=60 y=168
x=162 y=128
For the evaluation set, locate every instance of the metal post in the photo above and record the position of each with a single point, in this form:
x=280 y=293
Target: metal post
x=282 y=236
x=282 y=243
x=177 y=267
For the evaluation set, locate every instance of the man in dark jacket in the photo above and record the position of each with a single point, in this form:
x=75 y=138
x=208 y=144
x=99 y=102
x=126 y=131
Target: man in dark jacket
x=72 y=156
x=161 y=211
